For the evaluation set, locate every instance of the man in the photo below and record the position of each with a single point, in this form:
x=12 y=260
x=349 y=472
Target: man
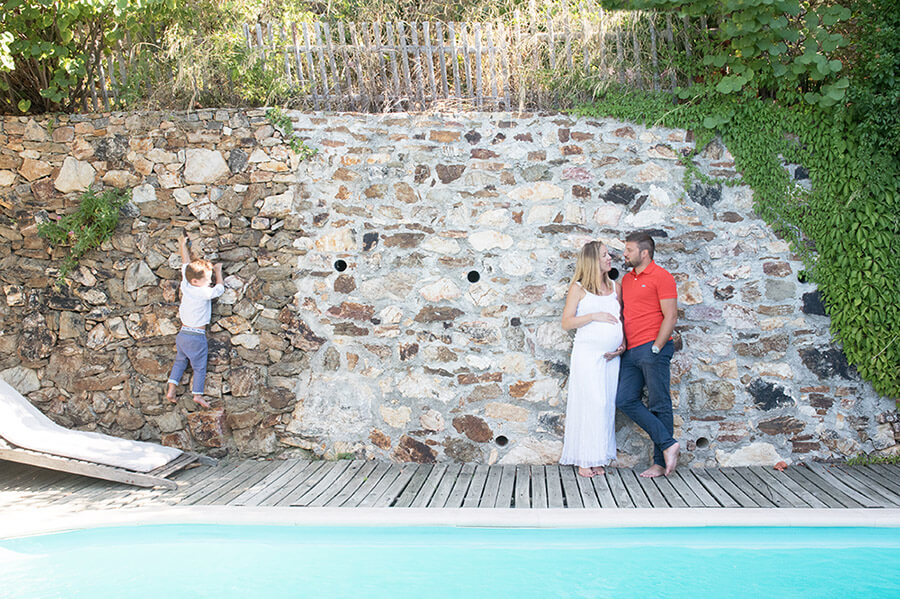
x=649 y=301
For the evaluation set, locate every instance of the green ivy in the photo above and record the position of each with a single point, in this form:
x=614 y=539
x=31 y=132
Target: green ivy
x=846 y=230
x=283 y=123
x=87 y=228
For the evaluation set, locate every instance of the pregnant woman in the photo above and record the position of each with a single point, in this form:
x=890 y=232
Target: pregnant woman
x=592 y=307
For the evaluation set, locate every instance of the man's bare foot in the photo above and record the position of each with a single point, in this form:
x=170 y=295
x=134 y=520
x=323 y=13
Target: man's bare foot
x=199 y=399
x=598 y=470
x=170 y=392
x=586 y=472
x=653 y=471
x=670 y=455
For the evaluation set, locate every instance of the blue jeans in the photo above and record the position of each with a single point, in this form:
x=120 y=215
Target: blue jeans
x=193 y=348
x=639 y=367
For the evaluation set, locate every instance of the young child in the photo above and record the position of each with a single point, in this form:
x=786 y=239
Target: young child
x=194 y=312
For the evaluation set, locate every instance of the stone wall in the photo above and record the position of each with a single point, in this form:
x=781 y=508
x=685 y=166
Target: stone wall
x=398 y=296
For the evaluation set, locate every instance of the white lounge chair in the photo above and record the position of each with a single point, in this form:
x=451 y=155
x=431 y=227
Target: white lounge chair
x=29 y=437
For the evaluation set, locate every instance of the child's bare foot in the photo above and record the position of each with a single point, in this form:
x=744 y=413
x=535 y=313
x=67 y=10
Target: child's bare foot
x=170 y=392
x=199 y=399
x=598 y=470
x=586 y=472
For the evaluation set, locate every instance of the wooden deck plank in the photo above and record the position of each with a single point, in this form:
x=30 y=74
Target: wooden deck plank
x=685 y=491
x=270 y=481
x=227 y=495
x=586 y=491
x=281 y=486
x=506 y=488
x=339 y=484
x=601 y=488
x=571 y=493
x=888 y=488
x=743 y=499
x=359 y=477
x=758 y=499
x=445 y=486
x=314 y=486
x=225 y=483
x=538 y=487
x=368 y=485
x=415 y=485
x=307 y=477
x=491 y=486
x=423 y=497
x=810 y=489
x=476 y=488
x=554 y=486
x=786 y=484
x=824 y=486
x=668 y=491
x=890 y=481
x=652 y=491
x=522 y=495
x=855 y=477
x=395 y=489
x=386 y=482
x=617 y=488
x=779 y=496
x=461 y=487
x=862 y=498
x=216 y=478
x=634 y=489
x=712 y=487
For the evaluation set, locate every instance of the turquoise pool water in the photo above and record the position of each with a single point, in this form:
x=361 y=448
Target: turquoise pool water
x=230 y=562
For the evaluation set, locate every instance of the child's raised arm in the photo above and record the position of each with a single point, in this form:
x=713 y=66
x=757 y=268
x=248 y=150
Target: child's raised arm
x=184 y=246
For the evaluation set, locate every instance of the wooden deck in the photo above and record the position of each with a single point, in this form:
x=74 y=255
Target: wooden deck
x=359 y=483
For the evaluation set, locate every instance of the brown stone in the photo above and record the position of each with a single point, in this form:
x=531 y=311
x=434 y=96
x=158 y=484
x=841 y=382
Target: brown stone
x=581 y=192
x=379 y=439
x=129 y=418
x=437 y=314
x=571 y=150
x=299 y=334
x=462 y=451
x=352 y=311
x=376 y=191
x=236 y=420
x=408 y=350
x=37 y=340
x=448 y=173
x=820 y=401
x=443 y=136
x=349 y=329
x=410 y=450
x=344 y=284
x=244 y=381
x=520 y=389
x=474 y=428
x=149 y=363
x=482 y=392
x=783 y=425
x=404 y=240
x=277 y=398
x=345 y=174
x=804 y=446
x=537 y=156
x=405 y=193
x=624 y=132
x=34 y=169
x=482 y=154
x=178 y=439
x=766 y=345
x=777 y=269
x=582 y=136
x=208 y=427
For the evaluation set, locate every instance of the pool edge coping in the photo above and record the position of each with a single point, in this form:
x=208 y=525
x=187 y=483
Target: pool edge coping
x=22 y=523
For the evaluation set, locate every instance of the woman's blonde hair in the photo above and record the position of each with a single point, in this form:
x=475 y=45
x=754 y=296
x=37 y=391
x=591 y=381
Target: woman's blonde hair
x=587 y=269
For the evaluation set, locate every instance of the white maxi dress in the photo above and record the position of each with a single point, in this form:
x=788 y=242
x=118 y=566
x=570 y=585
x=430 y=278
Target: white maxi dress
x=590 y=436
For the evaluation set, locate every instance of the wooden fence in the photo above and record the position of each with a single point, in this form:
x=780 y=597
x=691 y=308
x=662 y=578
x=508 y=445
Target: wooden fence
x=492 y=65
x=519 y=64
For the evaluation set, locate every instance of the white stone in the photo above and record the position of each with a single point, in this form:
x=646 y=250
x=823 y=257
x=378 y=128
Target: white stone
x=717 y=345
x=74 y=175
x=506 y=411
x=395 y=417
x=258 y=155
x=537 y=192
x=7 y=178
x=551 y=336
x=183 y=197
x=659 y=197
x=775 y=369
x=440 y=245
x=739 y=317
x=432 y=420
x=143 y=194
x=246 y=340
x=479 y=362
x=516 y=264
x=740 y=272
x=278 y=206
x=204 y=166
x=420 y=386
x=514 y=363
x=24 y=380
x=162 y=156
x=339 y=240
x=440 y=290
x=543 y=390
x=205 y=210
x=487 y=240
x=755 y=454
x=608 y=215
x=482 y=294
x=494 y=218
x=690 y=293
x=533 y=451
x=330 y=403
x=390 y=315
x=574 y=214
x=138 y=275
x=646 y=218
x=541 y=214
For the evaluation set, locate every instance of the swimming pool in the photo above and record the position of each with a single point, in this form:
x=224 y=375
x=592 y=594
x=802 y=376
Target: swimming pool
x=228 y=561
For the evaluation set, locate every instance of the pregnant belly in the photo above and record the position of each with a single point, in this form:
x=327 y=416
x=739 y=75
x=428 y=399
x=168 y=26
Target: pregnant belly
x=605 y=336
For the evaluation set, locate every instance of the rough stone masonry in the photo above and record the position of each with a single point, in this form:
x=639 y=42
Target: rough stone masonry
x=398 y=296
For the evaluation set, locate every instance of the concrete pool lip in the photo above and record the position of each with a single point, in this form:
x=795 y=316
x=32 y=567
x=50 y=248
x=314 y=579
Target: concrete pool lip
x=31 y=522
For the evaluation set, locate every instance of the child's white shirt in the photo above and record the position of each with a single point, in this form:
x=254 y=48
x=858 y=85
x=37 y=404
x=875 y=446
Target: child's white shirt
x=196 y=305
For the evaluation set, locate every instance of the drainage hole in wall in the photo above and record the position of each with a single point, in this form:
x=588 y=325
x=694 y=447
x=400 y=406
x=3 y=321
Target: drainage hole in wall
x=613 y=273
x=473 y=276
x=501 y=440
x=340 y=265
x=702 y=442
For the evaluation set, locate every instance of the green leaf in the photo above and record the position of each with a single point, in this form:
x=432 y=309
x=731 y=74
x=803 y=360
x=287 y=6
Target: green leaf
x=24 y=105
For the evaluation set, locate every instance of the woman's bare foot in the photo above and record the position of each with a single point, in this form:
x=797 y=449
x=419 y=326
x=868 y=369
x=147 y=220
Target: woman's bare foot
x=670 y=454
x=199 y=399
x=598 y=470
x=170 y=392
x=585 y=472
x=653 y=471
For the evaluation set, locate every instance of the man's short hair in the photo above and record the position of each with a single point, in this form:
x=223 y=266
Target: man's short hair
x=643 y=241
x=197 y=269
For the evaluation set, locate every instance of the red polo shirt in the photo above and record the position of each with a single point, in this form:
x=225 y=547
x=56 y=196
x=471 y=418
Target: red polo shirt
x=641 y=293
